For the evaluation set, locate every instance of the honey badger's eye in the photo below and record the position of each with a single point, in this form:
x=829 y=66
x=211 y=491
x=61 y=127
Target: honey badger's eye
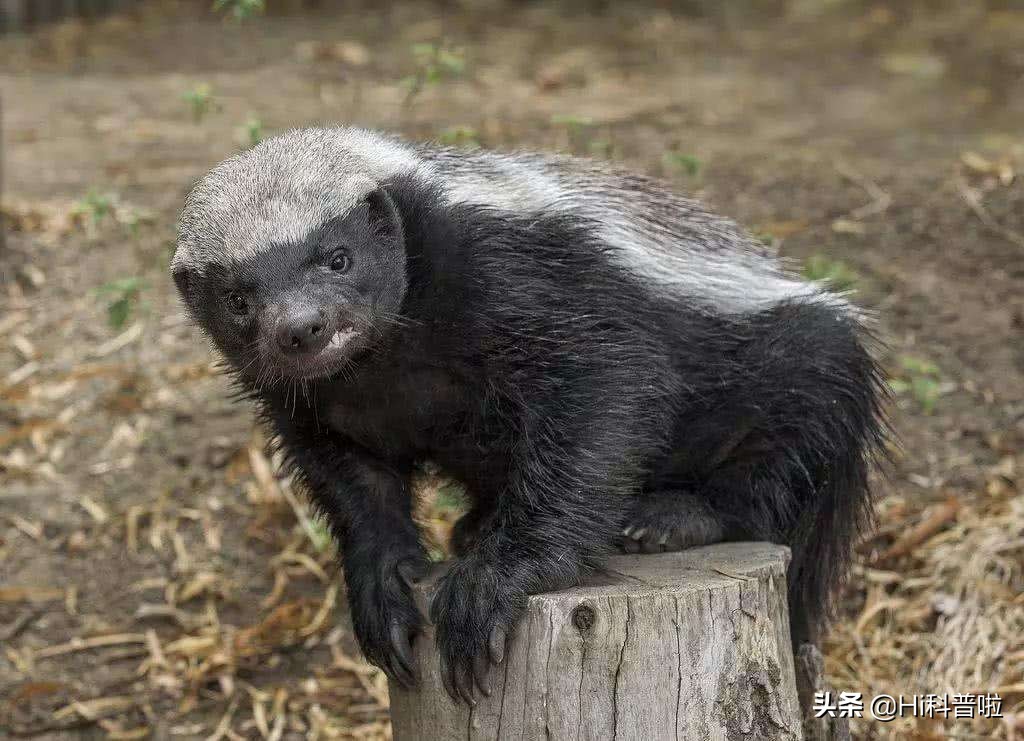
x=237 y=303
x=340 y=262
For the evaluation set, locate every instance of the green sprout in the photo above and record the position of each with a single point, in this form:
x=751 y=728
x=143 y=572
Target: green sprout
x=239 y=10
x=122 y=296
x=451 y=498
x=459 y=136
x=449 y=503
x=97 y=206
x=251 y=132
x=435 y=63
x=836 y=273
x=320 y=534
x=681 y=163
x=921 y=379
x=200 y=101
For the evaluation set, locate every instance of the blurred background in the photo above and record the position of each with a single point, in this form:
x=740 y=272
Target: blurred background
x=158 y=579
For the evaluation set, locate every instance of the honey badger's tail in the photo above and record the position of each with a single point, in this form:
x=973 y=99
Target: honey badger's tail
x=801 y=476
x=839 y=507
x=839 y=421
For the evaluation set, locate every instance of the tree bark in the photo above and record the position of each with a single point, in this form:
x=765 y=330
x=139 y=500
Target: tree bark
x=691 y=645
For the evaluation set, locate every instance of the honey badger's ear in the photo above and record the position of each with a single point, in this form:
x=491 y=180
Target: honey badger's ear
x=182 y=275
x=384 y=214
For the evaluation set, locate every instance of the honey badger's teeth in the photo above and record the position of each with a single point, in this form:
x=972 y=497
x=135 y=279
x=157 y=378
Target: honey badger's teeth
x=342 y=336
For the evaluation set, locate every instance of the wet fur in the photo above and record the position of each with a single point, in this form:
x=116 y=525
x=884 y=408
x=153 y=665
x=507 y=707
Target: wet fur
x=562 y=390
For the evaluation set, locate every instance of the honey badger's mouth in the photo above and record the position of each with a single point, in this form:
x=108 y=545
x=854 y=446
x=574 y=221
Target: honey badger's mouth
x=323 y=362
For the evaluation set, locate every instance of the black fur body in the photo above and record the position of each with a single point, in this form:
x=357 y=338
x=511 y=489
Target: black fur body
x=580 y=410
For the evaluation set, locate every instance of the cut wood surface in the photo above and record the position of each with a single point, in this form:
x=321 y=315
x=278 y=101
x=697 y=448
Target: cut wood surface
x=691 y=645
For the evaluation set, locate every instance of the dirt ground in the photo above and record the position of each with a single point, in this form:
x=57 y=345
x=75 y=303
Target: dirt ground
x=157 y=580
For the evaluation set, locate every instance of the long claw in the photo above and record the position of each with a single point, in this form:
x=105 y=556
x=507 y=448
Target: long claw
x=464 y=684
x=403 y=653
x=480 y=667
x=448 y=680
x=496 y=644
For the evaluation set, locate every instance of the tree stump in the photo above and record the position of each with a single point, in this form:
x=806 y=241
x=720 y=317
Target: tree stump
x=691 y=645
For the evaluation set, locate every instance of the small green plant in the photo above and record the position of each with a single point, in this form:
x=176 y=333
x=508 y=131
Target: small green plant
x=836 y=273
x=96 y=206
x=459 y=136
x=681 y=163
x=319 y=534
x=239 y=10
x=200 y=101
x=921 y=379
x=435 y=63
x=133 y=219
x=122 y=295
x=449 y=503
x=251 y=132
x=578 y=130
x=451 y=499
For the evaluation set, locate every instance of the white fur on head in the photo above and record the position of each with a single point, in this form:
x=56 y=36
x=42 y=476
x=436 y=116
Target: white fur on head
x=281 y=189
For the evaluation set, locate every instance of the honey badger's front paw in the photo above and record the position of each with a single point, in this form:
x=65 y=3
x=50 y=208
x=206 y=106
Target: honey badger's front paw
x=384 y=614
x=474 y=610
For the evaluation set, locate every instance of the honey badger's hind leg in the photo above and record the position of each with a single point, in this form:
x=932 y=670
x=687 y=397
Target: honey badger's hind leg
x=781 y=449
x=670 y=515
x=670 y=520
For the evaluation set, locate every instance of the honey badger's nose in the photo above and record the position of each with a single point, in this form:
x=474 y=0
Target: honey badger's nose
x=302 y=330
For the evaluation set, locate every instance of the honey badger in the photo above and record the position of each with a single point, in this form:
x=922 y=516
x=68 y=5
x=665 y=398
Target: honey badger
x=603 y=363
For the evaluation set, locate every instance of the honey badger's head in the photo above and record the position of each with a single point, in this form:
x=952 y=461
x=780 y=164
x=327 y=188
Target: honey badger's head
x=291 y=258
